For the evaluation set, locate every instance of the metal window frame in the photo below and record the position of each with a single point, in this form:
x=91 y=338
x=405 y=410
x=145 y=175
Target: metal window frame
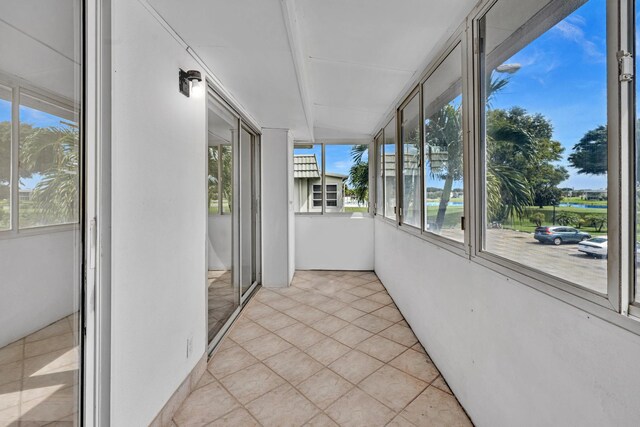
x=459 y=247
x=611 y=308
x=415 y=92
x=378 y=168
x=393 y=219
x=528 y=275
x=18 y=87
x=323 y=144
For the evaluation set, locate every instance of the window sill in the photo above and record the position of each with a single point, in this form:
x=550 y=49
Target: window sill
x=38 y=231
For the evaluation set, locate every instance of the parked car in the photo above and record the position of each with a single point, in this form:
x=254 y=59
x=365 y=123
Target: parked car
x=596 y=247
x=559 y=235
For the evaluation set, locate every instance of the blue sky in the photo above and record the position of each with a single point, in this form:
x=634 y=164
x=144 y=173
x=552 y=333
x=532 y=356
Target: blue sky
x=563 y=77
x=338 y=157
x=37 y=119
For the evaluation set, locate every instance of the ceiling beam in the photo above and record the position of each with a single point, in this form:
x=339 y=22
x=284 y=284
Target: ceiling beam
x=299 y=61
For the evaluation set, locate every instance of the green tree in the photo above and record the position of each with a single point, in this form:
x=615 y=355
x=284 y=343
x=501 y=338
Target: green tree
x=597 y=221
x=590 y=154
x=53 y=154
x=359 y=181
x=567 y=218
x=537 y=218
x=443 y=152
x=359 y=173
x=524 y=142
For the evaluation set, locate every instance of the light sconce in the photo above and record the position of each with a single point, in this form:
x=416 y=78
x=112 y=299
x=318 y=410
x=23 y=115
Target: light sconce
x=190 y=82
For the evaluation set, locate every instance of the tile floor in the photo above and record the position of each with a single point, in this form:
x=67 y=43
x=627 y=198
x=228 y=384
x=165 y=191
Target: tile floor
x=330 y=350
x=223 y=300
x=39 y=377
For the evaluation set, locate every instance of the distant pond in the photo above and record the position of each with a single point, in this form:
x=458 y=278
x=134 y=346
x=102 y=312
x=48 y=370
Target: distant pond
x=582 y=206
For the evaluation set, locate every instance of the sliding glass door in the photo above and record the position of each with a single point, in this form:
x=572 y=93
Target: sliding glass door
x=233 y=215
x=223 y=278
x=41 y=151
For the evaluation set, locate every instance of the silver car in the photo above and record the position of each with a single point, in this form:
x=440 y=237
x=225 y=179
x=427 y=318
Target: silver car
x=596 y=247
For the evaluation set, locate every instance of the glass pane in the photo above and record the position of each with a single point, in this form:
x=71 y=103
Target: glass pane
x=49 y=178
x=5 y=158
x=307 y=178
x=410 y=139
x=347 y=177
x=41 y=272
x=223 y=283
x=443 y=148
x=390 y=170
x=214 y=179
x=379 y=174
x=546 y=137
x=226 y=176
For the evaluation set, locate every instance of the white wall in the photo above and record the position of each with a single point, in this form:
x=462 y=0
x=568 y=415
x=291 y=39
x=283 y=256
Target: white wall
x=38 y=282
x=513 y=355
x=158 y=217
x=325 y=242
x=277 y=208
x=219 y=240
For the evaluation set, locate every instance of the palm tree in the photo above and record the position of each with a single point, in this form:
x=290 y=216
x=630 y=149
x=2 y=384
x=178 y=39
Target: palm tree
x=359 y=172
x=508 y=192
x=53 y=153
x=443 y=152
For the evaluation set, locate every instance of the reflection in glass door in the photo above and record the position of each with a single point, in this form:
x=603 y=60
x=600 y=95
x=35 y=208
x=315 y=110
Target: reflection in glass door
x=222 y=281
x=41 y=247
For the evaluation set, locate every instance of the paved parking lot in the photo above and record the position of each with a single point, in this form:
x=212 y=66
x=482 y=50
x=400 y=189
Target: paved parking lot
x=564 y=261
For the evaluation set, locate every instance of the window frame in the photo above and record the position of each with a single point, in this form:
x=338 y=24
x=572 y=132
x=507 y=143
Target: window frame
x=618 y=307
x=527 y=275
x=400 y=161
x=378 y=190
x=18 y=87
x=392 y=219
x=370 y=143
x=461 y=248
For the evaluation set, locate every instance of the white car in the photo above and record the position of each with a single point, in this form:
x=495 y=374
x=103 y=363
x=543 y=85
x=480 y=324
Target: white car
x=596 y=247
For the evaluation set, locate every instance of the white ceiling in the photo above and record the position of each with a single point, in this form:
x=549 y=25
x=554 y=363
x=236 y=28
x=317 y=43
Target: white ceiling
x=39 y=43
x=350 y=59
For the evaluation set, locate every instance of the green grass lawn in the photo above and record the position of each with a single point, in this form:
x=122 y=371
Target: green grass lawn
x=356 y=209
x=526 y=225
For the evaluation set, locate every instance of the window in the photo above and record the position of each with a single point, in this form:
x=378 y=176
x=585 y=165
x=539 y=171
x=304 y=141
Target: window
x=5 y=158
x=379 y=149
x=222 y=135
x=307 y=178
x=347 y=177
x=220 y=178
x=443 y=148
x=545 y=136
x=41 y=188
x=389 y=161
x=344 y=177
x=317 y=195
x=411 y=152
x=332 y=195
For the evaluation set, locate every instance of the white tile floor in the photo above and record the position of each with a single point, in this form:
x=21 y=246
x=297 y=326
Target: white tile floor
x=330 y=350
x=39 y=377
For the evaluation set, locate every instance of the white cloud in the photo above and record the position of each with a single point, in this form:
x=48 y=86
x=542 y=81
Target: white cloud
x=571 y=29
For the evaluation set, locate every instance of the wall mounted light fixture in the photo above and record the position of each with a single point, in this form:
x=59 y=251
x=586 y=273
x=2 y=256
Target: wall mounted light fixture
x=190 y=82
